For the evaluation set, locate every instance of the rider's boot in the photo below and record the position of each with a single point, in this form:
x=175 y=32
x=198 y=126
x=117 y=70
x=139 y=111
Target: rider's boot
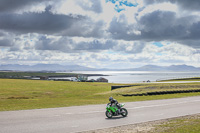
x=119 y=111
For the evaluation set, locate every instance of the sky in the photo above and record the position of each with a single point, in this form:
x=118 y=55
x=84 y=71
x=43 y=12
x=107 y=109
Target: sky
x=100 y=33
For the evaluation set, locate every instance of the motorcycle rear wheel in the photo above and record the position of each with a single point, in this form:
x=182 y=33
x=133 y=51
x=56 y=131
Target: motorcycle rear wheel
x=109 y=114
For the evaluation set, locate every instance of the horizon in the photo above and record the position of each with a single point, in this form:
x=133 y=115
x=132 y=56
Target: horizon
x=117 y=69
x=112 y=34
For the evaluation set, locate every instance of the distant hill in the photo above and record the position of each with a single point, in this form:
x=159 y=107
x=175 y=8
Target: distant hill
x=183 y=68
x=149 y=68
x=45 y=67
x=57 y=67
x=166 y=68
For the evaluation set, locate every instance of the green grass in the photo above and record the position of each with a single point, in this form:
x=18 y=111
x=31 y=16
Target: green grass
x=29 y=94
x=181 y=79
x=189 y=124
x=24 y=75
x=19 y=94
x=144 y=88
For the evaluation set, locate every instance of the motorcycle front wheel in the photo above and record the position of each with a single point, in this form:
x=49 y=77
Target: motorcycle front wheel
x=124 y=112
x=109 y=114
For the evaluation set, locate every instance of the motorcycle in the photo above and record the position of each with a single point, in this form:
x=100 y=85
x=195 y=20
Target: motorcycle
x=114 y=111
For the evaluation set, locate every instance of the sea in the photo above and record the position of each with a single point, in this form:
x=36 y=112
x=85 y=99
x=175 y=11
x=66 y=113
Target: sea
x=138 y=76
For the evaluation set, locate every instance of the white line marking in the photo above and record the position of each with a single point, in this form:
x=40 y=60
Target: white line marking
x=159 y=114
x=163 y=104
x=85 y=112
x=75 y=126
x=68 y=113
x=91 y=112
x=148 y=106
x=56 y=115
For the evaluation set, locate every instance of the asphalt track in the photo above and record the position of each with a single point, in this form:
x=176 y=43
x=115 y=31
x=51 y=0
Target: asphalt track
x=84 y=118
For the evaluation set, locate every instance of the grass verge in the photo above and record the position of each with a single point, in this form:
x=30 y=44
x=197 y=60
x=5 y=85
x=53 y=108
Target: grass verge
x=18 y=94
x=185 y=124
x=181 y=79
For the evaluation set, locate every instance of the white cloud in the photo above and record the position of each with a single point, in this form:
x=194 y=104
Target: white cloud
x=161 y=6
x=93 y=33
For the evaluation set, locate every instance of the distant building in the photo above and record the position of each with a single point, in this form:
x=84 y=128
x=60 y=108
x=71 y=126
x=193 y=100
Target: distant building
x=74 y=79
x=61 y=79
x=91 y=80
x=101 y=79
x=44 y=77
x=82 y=78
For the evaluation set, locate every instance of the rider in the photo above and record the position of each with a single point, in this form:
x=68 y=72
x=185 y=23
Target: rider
x=115 y=102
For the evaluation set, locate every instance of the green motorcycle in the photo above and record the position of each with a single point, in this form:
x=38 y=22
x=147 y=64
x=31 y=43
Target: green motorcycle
x=114 y=111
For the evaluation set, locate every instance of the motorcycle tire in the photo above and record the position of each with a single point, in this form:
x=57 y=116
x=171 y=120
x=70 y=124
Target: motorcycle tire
x=109 y=114
x=125 y=112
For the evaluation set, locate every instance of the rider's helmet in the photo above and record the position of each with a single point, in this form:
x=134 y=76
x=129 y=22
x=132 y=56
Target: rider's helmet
x=110 y=99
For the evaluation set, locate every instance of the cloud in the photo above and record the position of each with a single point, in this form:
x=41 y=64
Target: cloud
x=194 y=31
x=189 y=4
x=120 y=29
x=130 y=47
x=157 y=25
x=5 y=42
x=49 y=23
x=160 y=25
x=120 y=5
x=95 y=45
x=90 y=5
x=14 y=5
x=70 y=45
x=191 y=43
x=99 y=31
x=192 y=5
x=35 y=22
x=52 y=44
x=6 y=39
x=65 y=44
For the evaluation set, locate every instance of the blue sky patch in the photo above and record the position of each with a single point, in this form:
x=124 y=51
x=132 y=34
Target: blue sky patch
x=4 y=49
x=158 y=44
x=159 y=54
x=118 y=8
x=120 y=3
x=110 y=52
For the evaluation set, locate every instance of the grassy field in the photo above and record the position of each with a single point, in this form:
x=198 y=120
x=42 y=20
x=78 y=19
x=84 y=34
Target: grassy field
x=186 y=124
x=19 y=94
x=182 y=79
x=23 y=75
x=27 y=75
x=144 y=88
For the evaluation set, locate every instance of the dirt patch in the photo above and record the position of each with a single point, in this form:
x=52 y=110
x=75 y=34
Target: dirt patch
x=18 y=97
x=48 y=93
x=136 y=128
x=147 y=127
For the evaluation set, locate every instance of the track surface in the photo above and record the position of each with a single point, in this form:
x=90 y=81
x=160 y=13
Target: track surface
x=84 y=118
